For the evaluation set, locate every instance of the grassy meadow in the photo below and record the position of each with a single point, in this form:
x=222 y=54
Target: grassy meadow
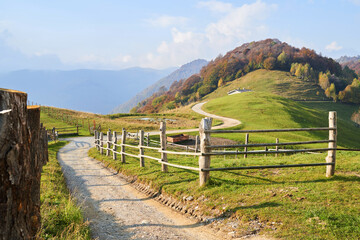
x=182 y=119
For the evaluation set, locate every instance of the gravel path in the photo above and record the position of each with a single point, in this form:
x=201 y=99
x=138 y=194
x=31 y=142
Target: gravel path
x=116 y=210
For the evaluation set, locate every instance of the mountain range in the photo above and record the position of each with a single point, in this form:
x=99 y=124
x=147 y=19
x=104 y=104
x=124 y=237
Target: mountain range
x=97 y=91
x=183 y=72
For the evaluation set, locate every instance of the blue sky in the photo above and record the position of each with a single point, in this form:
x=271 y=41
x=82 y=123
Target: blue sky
x=118 y=34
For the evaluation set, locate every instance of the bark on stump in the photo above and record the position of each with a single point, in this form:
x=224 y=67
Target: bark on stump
x=23 y=152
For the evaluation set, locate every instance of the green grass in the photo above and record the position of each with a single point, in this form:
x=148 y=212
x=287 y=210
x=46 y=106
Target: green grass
x=183 y=119
x=60 y=216
x=276 y=82
x=50 y=122
x=295 y=203
x=260 y=110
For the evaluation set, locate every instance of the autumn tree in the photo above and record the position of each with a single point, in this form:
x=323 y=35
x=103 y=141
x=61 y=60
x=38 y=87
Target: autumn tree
x=331 y=92
x=324 y=80
x=220 y=83
x=270 y=63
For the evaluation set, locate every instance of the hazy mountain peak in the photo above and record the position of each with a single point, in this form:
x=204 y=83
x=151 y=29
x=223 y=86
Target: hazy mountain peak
x=183 y=72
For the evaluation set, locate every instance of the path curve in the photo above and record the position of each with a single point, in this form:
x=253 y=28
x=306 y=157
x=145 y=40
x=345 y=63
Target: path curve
x=227 y=122
x=116 y=210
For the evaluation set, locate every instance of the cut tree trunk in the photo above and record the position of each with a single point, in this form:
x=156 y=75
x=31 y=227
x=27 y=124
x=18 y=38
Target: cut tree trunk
x=23 y=152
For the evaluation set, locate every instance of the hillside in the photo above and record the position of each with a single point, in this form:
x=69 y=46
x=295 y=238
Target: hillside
x=352 y=62
x=276 y=82
x=97 y=91
x=308 y=70
x=183 y=72
x=280 y=112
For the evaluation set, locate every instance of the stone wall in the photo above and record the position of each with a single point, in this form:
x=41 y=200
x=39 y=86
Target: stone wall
x=23 y=152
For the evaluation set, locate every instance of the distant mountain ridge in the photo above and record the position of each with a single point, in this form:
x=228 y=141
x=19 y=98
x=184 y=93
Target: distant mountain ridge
x=183 y=72
x=97 y=91
x=352 y=62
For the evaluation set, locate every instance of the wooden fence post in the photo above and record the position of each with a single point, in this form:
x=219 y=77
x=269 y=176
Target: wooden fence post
x=141 y=149
x=266 y=150
x=204 y=161
x=95 y=140
x=108 y=142
x=164 y=167
x=114 y=146
x=101 y=143
x=196 y=143
x=123 y=141
x=331 y=157
x=246 y=142
x=277 y=147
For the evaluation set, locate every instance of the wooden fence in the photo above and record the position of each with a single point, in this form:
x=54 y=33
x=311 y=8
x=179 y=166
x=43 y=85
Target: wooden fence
x=206 y=149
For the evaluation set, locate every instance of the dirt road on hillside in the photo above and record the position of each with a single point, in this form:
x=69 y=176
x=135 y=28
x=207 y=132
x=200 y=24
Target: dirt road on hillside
x=227 y=122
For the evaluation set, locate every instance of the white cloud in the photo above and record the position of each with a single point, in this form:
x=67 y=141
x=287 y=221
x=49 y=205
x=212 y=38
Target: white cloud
x=235 y=26
x=334 y=46
x=216 y=6
x=356 y=2
x=167 y=21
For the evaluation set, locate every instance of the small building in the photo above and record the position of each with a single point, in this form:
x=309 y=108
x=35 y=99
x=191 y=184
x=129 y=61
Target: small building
x=238 y=90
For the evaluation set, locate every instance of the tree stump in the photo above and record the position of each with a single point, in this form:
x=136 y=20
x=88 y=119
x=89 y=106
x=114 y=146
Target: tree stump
x=23 y=152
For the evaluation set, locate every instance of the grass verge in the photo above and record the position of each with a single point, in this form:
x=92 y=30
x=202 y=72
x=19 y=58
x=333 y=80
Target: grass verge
x=61 y=217
x=295 y=203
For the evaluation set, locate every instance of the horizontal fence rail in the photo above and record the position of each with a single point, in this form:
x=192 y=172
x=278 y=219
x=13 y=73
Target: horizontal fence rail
x=204 y=150
x=272 y=130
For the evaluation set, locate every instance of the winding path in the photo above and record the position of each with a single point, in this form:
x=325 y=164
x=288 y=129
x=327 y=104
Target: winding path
x=116 y=210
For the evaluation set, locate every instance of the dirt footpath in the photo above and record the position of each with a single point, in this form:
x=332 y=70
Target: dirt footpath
x=116 y=210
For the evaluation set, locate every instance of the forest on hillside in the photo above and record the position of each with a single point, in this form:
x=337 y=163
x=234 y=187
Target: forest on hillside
x=339 y=83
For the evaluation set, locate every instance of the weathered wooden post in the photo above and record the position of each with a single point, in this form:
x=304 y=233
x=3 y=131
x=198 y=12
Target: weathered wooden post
x=204 y=160
x=246 y=142
x=101 y=143
x=114 y=145
x=164 y=167
x=141 y=149
x=277 y=147
x=196 y=143
x=331 y=157
x=95 y=139
x=123 y=141
x=266 y=150
x=108 y=142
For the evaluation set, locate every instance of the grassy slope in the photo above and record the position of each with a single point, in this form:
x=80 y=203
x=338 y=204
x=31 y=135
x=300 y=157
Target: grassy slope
x=61 y=218
x=131 y=122
x=277 y=82
x=259 y=110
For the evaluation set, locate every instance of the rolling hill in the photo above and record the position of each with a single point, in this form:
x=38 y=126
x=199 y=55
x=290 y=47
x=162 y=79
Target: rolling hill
x=299 y=74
